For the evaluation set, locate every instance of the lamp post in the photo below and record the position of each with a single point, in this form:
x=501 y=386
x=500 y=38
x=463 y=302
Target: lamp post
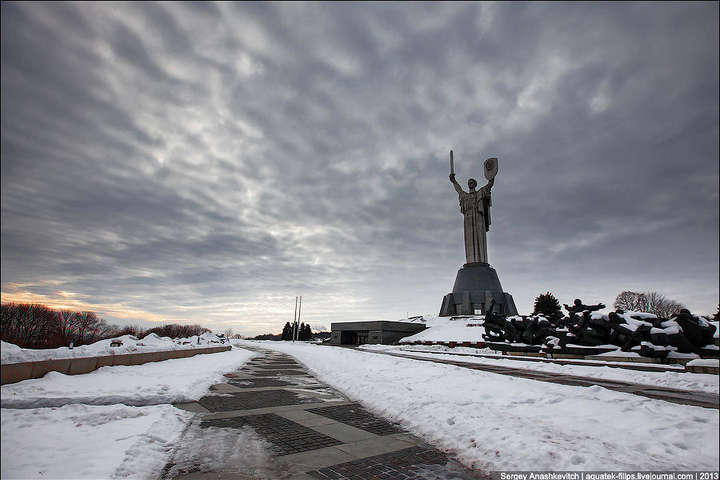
x=297 y=330
x=294 y=319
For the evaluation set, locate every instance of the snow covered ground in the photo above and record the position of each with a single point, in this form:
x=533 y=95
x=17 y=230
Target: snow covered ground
x=443 y=329
x=179 y=380
x=680 y=379
x=10 y=353
x=499 y=422
x=704 y=362
x=87 y=428
x=84 y=441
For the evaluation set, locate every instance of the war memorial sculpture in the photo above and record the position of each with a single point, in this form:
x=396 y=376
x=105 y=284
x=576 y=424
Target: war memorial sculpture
x=477 y=285
x=585 y=331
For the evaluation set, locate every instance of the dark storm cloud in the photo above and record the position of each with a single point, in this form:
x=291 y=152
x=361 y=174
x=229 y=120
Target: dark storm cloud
x=210 y=161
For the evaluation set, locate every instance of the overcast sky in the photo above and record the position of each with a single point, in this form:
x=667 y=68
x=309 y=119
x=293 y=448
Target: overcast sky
x=207 y=163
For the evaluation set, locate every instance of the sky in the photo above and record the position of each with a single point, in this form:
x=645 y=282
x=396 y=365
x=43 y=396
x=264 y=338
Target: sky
x=207 y=163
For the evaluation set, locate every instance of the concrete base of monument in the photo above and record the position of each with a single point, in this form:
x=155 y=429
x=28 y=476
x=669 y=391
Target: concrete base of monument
x=476 y=286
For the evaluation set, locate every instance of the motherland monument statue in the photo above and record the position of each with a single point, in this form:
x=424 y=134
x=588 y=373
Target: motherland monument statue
x=477 y=287
x=475 y=207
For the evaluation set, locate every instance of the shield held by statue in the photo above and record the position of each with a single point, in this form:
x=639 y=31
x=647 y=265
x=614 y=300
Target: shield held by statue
x=491 y=168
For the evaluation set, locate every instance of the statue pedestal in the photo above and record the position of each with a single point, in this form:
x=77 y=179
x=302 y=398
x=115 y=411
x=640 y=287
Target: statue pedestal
x=476 y=286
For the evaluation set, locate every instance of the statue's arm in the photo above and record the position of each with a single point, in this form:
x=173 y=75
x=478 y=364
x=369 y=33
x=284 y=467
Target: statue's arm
x=457 y=186
x=487 y=191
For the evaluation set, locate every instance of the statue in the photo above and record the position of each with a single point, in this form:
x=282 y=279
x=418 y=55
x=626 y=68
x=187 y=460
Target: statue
x=475 y=207
x=579 y=307
x=477 y=287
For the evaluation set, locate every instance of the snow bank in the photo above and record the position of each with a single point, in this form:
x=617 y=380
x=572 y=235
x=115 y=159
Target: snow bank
x=680 y=379
x=497 y=422
x=717 y=327
x=704 y=362
x=449 y=329
x=82 y=441
x=179 y=380
x=10 y=353
x=619 y=353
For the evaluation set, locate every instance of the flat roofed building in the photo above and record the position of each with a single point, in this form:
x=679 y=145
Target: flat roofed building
x=359 y=333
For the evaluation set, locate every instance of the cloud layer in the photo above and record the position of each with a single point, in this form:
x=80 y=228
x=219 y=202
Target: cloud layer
x=207 y=162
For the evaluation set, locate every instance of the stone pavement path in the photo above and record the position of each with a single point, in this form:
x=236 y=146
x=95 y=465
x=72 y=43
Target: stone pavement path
x=311 y=430
x=674 y=395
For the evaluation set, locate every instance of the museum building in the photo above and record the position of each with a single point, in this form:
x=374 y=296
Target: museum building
x=382 y=332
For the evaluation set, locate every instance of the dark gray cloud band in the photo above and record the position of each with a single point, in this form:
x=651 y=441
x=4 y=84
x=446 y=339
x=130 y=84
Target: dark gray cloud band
x=209 y=162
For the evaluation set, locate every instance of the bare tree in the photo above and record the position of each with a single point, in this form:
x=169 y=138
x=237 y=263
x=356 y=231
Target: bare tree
x=134 y=330
x=669 y=308
x=632 y=301
x=662 y=306
x=105 y=330
x=37 y=326
x=89 y=327
x=29 y=325
x=8 y=321
x=650 y=302
x=67 y=326
x=174 y=330
x=655 y=302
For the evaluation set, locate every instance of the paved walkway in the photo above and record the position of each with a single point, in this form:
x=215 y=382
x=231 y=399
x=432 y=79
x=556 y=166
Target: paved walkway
x=684 y=397
x=312 y=431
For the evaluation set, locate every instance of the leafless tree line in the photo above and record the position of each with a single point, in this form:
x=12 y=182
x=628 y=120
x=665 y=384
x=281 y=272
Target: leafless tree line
x=174 y=330
x=650 y=302
x=38 y=326
x=229 y=333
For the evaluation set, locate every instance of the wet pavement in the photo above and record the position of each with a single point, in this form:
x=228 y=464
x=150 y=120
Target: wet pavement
x=308 y=430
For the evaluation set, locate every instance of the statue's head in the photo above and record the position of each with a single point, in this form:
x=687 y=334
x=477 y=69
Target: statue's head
x=578 y=302
x=472 y=183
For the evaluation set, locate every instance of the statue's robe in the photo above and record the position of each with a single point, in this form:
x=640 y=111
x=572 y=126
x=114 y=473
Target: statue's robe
x=475 y=207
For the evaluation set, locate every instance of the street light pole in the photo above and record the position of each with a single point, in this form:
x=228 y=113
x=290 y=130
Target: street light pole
x=298 y=318
x=294 y=319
